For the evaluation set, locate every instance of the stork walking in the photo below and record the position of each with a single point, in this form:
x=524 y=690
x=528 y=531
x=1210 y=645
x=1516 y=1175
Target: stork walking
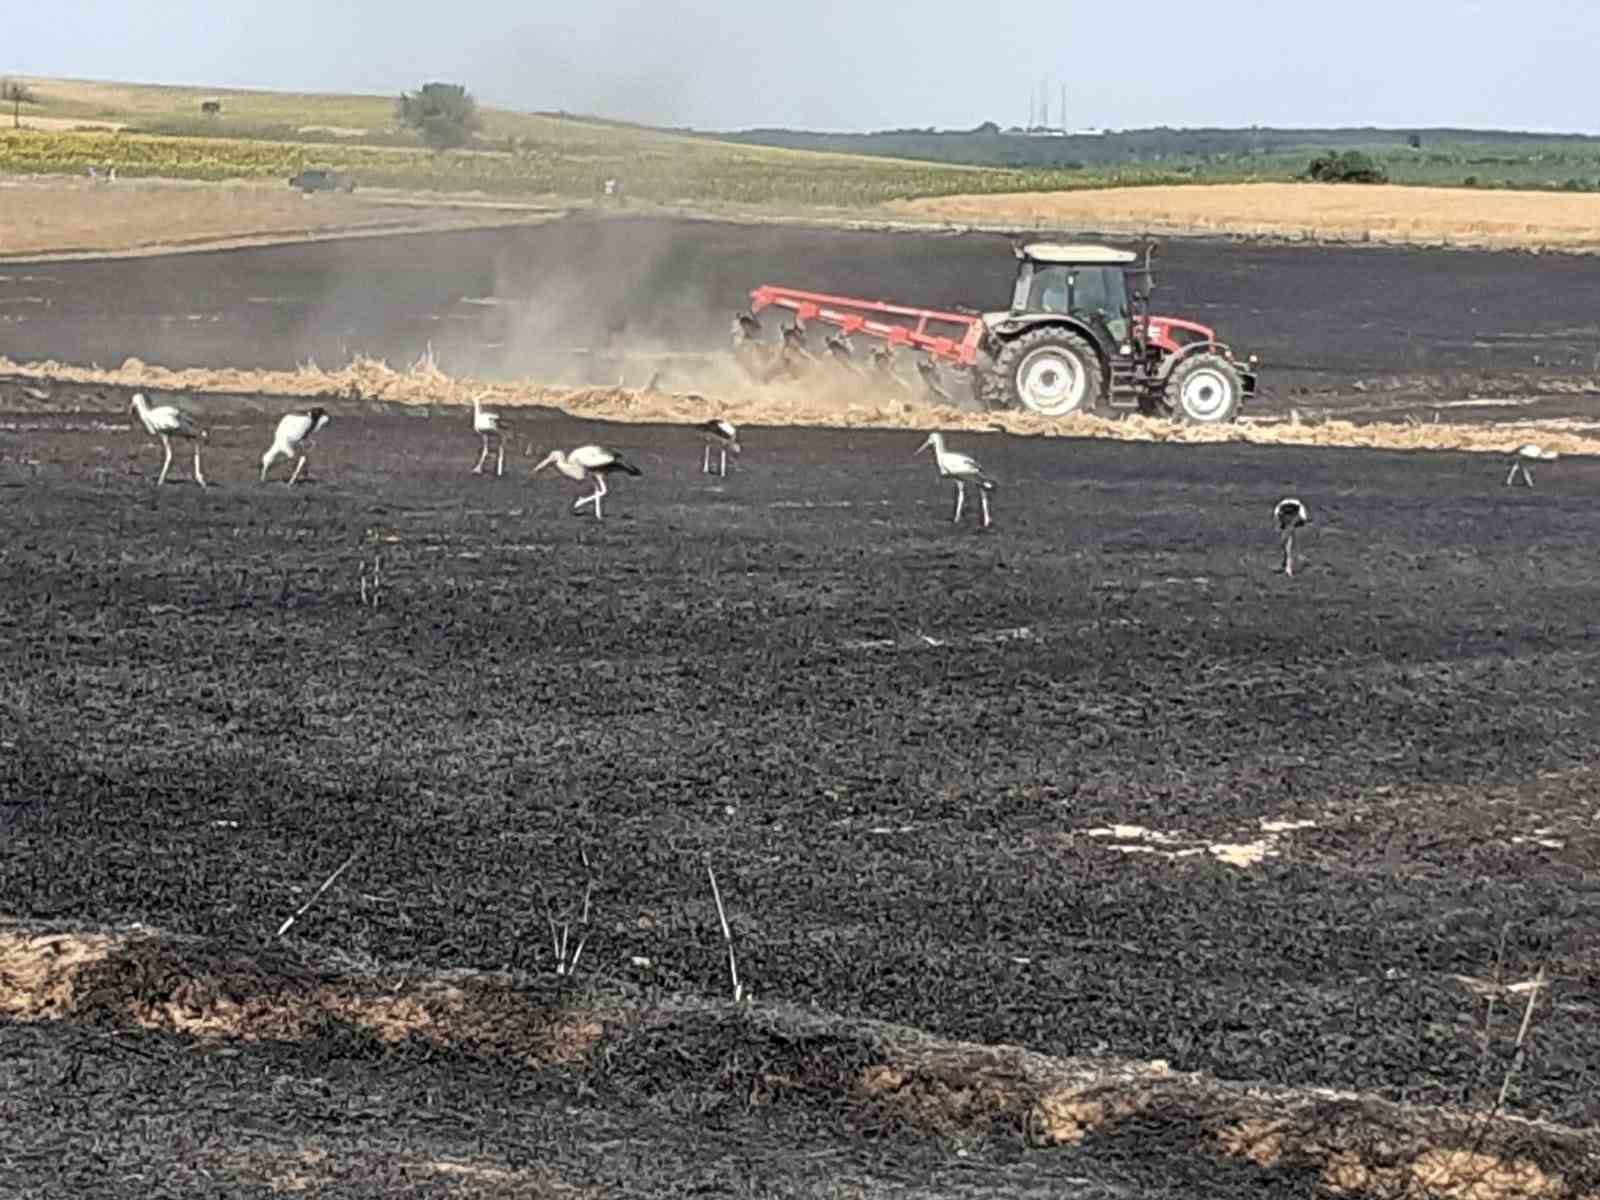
x=1522 y=456
x=293 y=438
x=964 y=469
x=724 y=437
x=486 y=425
x=1289 y=515
x=586 y=462
x=167 y=421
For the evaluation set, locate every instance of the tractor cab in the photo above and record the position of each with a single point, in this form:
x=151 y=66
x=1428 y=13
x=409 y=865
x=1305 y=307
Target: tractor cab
x=1087 y=282
x=1077 y=336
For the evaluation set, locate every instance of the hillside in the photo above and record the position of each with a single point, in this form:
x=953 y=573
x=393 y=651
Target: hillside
x=148 y=131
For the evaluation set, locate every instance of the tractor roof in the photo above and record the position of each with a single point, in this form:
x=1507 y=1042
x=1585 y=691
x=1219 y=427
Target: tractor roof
x=1057 y=252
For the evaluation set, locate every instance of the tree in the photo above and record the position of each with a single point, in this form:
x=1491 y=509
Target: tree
x=16 y=93
x=1350 y=167
x=444 y=114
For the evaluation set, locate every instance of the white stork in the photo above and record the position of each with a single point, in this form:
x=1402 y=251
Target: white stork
x=724 y=436
x=293 y=438
x=167 y=421
x=1289 y=514
x=964 y=469
x=1522 y=455
x=584 y=462
x=486 y=425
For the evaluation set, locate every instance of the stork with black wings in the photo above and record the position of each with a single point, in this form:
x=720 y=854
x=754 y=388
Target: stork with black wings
x=168 y=421
x=721 y=434
x=1289 y=515
x=588 y=462
x=962 y=468
x=293 y=439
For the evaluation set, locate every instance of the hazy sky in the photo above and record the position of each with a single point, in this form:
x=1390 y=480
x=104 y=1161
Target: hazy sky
x=832 y=64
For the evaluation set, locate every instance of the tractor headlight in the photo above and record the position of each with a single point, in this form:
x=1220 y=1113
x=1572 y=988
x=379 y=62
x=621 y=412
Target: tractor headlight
x=1125 y=349
x=1254 y=359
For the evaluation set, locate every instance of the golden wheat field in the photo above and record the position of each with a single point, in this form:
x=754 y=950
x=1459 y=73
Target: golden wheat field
x=1346 y=212
x=58 y=217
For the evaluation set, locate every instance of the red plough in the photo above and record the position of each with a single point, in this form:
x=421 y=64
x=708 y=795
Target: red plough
x=912 y=327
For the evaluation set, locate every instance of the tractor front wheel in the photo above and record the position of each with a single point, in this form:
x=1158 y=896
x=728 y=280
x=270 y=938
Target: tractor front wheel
x=1051 y=371
x=1205 y=390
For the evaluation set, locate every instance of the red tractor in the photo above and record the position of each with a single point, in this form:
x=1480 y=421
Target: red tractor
x=1075 y=339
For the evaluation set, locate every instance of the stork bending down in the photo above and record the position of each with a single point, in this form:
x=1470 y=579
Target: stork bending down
x=1522 y=456
x=167 y=421
x=292 y=439
x=962 y=468
x=724 y=436
x=584 y=462
x=1289 y=514
x=486 y=425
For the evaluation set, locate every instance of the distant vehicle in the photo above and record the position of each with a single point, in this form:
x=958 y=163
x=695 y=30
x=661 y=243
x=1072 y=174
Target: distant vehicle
x=319 y=179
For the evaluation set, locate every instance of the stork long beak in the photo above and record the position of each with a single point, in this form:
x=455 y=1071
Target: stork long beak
x=922 y=447
x=543 y=463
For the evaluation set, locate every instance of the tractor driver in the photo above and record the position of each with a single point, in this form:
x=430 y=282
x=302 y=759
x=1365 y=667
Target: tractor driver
x=1081 y=293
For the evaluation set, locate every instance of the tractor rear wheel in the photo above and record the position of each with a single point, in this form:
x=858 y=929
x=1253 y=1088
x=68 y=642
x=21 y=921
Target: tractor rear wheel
x=1051 y=371
x=1205 y=390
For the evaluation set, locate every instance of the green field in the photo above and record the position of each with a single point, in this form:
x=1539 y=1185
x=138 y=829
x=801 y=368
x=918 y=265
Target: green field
x=1433 y=157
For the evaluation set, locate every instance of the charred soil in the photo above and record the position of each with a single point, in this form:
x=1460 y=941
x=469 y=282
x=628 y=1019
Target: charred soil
x=578 y=297
x=1097 y=782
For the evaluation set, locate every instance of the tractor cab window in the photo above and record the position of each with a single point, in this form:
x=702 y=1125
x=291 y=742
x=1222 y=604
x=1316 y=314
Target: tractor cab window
x=1082 y=291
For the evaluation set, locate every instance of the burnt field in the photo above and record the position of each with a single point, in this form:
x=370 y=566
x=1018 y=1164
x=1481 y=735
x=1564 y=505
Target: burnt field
x=525 y=300
x=1097 y=782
